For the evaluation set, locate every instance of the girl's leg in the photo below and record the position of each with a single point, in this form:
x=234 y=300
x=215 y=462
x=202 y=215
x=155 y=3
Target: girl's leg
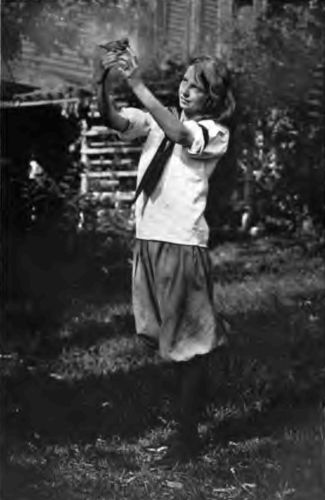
x=184 y=443
x=190 y=399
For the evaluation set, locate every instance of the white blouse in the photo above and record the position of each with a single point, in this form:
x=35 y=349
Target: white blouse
x=175 y=211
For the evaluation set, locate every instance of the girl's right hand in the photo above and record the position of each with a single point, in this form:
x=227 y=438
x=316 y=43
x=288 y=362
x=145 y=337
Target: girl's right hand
x=103 y=62
x=126 y=62
x=109 y=60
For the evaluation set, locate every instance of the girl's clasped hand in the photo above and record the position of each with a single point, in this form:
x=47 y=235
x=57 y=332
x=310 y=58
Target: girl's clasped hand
x=121 y=57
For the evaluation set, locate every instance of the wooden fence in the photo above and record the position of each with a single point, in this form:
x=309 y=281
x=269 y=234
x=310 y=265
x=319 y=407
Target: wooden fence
x=110 y=164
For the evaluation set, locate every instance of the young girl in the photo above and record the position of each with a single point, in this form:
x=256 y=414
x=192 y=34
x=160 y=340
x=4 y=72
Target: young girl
x=172 y=286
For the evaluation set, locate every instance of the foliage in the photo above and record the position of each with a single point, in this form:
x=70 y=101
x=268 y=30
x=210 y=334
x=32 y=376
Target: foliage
x=287 y=178
x=40 y=209
x=107 y=236
x=46 y=223
x=275 y=69
x=40 y=197
x=275 y=61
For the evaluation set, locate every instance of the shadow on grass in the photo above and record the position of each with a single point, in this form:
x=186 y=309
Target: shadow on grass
x=93 y=331
x=271 y=421
x=48 y=343
x=21 y=481
x=121 y=403
x=267 y=369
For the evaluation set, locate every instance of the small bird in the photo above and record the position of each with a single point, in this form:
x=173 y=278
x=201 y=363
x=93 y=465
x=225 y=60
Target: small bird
x=116 y=46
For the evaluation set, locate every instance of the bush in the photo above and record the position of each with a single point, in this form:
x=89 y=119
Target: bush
x=40 y=208
x=280 y=122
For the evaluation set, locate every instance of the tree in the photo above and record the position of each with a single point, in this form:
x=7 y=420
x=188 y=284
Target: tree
x=281 y=96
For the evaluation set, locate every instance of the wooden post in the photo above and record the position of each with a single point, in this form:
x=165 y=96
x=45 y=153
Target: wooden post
x=248 y=194
x=194 y=27
x=188 y=15
x=225 y=20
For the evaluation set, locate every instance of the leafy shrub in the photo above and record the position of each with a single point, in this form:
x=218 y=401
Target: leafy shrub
x=280 y=122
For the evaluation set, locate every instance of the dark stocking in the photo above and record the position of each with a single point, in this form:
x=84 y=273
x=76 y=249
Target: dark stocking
x=191 y=380
x=185 y=444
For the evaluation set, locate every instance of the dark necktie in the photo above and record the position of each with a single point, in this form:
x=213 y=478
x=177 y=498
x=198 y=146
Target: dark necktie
x=154 y=171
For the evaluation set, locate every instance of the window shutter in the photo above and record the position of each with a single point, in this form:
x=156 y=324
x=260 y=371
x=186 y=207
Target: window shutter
x=178 y=13
x=209 y=25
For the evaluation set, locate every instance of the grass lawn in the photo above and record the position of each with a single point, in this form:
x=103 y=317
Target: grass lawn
x=85 y=419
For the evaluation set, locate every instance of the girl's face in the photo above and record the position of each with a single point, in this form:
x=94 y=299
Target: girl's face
x=192 y=94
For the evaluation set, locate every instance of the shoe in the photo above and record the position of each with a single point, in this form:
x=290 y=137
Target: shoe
x=180 y=451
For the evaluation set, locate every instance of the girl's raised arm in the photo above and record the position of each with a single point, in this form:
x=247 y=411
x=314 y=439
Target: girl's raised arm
x=171 y=125
x=111 y=116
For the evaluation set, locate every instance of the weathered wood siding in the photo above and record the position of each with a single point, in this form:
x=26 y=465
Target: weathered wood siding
x=180 y=27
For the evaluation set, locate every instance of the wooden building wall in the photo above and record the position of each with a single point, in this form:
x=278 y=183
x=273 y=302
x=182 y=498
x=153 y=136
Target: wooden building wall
x=179 y=27
x=188 y=27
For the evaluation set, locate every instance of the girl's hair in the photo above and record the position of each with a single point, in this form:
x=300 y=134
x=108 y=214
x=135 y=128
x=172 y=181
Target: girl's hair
x=214 y=75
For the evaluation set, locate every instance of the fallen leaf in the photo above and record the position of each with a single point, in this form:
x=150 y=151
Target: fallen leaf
x=157 y=450
x=289 y=491
x=56 y=376
x=249 y=485
x=174 y=484
x=224 y=490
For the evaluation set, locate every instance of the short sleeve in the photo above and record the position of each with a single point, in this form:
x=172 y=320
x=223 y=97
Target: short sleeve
x=140 y=123
x=210 y=139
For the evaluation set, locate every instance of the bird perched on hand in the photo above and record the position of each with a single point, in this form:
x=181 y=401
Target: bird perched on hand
x=117 y=47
